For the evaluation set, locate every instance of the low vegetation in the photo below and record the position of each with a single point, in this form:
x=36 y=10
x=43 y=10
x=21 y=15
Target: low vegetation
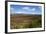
x=25 y=21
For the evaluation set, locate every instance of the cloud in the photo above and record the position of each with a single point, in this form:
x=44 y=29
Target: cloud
x=12 y=10
x=18 y=12
x=29 y=9
x=26 y=8
x=35 y=13
x=33 y=9
x=39 y=7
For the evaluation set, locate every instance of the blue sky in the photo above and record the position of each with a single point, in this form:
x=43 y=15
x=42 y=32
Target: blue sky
x=25 y=9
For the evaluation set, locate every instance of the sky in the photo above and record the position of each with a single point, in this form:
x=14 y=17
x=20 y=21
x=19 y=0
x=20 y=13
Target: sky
x=25 y=9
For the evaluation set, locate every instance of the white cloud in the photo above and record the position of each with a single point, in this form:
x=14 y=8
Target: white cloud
x=29 y=9
x=26 y=8
x=35 y=13
x=12 y=10
x=33 y=9
x=39 y=7
x=18 y=12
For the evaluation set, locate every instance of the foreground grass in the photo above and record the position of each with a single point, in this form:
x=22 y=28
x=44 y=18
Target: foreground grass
x=18 y=22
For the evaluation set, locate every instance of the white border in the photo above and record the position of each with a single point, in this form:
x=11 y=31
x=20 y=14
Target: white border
x=30 y=29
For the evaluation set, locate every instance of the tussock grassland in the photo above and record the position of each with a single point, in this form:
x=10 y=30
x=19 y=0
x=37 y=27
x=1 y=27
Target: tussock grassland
x=25 y=21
